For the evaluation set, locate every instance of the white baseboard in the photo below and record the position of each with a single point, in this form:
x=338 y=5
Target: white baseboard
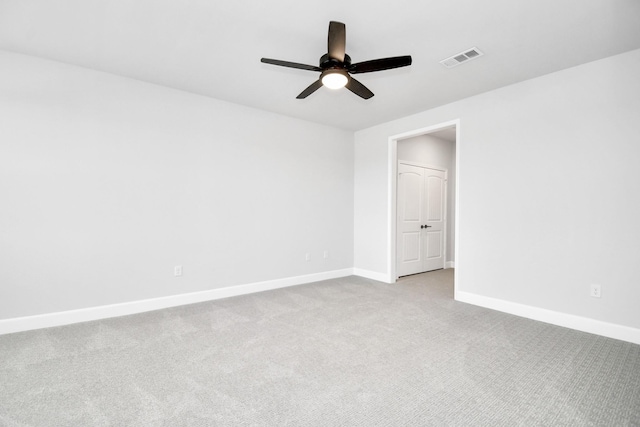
x=584 y=324
x=373 y=275
x=48 y=320
x=449 y=264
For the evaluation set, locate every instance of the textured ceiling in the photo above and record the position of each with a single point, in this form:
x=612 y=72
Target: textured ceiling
x=213 y=48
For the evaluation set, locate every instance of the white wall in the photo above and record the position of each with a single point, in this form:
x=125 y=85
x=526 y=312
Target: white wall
x=106 y=183
x=427 y=149
x=433 y=151
x=548 y=191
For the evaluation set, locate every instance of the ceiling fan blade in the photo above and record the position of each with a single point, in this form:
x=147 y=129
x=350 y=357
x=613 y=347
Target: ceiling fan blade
x=358 y=88
x=380 y=64
x=290 y=64
x=309 y=90
x=337 y=40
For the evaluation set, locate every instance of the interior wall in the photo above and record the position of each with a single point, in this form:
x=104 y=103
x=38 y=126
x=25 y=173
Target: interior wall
x=547 y=191
x=107 y=183
x=433 y=151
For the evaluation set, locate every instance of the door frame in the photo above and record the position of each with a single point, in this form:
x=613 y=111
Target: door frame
x=392 y=190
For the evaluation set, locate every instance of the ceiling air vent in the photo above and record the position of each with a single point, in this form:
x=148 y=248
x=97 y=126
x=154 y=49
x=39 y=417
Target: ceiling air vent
x=461 y=57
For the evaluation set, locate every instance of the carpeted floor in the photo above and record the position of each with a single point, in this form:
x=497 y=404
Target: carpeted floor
x=344 y=352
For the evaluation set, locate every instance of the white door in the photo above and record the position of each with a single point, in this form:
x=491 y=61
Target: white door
x=421 y=219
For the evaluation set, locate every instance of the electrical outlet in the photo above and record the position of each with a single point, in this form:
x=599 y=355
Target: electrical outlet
x=307 y=257
x=595 y=291
x=177 y=270
x=326 y=254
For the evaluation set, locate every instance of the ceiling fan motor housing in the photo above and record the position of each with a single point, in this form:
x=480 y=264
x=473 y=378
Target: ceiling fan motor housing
x=326 y=62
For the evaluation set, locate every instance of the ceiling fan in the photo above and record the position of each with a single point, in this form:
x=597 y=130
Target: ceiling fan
x=336 y=68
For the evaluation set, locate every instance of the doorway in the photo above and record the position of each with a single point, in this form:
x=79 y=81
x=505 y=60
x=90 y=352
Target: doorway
x=426 y=251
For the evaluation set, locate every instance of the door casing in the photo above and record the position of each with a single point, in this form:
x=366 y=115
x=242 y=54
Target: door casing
x=392 y=194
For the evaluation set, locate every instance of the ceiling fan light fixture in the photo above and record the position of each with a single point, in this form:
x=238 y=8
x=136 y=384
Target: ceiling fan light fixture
x=334 y=79
x=336 y=68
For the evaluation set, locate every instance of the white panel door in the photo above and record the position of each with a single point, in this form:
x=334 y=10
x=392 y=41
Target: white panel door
x=410 y=217
x=434 y=225
x=421 y=219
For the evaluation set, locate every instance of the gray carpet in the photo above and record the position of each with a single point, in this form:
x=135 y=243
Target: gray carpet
x=345 y=352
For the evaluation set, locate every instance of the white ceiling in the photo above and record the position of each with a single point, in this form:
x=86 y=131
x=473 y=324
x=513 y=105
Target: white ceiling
x=214 y=47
